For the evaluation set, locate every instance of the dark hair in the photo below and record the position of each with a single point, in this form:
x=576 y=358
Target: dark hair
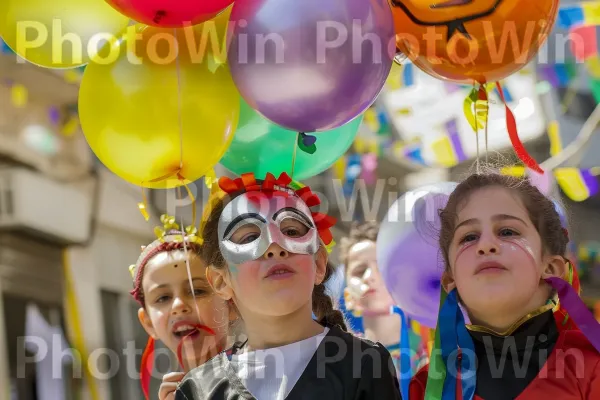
x=138 y=291
x=540 y=208
x=359 y=232
x=321 y=302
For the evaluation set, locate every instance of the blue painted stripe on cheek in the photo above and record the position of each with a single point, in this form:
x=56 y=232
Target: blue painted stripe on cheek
x=233 y=269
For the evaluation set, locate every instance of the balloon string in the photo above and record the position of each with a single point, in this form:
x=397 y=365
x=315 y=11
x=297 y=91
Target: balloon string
x=477 y=168
x=179 y=102
x=486 y=120
x=294 y=155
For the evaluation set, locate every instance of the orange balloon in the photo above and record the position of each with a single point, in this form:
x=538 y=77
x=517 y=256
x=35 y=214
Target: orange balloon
x=467 y=41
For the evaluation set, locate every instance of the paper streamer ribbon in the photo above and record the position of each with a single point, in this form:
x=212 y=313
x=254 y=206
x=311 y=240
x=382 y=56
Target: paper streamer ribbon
x=143 y=205
x=577 y=310
x=475 y=109
x=454 y=336
x=405 y=362
x=74 y=323
x=437 y=369
x=511 y=126
x=198 y=327
x=146 y=367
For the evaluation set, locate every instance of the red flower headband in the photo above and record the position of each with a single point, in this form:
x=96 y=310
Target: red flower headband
x=282 y=186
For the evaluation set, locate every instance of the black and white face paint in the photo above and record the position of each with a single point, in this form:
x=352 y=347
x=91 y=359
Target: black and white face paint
x=266 y=213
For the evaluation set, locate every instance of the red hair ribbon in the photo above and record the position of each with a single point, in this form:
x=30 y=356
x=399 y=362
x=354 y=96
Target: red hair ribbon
x=147 y=367
x=280 y=186
x=511 y=126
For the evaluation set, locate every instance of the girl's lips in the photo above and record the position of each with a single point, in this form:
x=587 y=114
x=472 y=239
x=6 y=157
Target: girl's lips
x=193 y=328
x=191 y=336
x=279 y=271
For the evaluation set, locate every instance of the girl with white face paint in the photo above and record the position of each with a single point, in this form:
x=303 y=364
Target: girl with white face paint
x=267 y=251
x=504 y=248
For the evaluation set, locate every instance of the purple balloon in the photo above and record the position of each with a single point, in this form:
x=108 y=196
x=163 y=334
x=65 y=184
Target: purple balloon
x=408 y=253
x=311 y=65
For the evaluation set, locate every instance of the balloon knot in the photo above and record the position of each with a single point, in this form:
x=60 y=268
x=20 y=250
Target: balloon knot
x=307 y=143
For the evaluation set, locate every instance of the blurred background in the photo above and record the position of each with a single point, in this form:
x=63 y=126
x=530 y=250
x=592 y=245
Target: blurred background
x=69 y=228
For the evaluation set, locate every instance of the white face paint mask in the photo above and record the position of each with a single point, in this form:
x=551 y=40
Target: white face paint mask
x=267 y=213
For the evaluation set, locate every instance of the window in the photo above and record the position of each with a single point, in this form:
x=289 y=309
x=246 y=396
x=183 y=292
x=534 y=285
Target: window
x=123 y=335
x=30 y=368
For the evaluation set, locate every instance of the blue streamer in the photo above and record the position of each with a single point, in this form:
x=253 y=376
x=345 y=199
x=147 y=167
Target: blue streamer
x=570 y=16
x=405 y=362
x=454 y=336
x=408 y=75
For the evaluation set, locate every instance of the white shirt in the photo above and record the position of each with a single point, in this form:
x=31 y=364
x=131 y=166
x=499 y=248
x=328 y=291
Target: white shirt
x=272 y=373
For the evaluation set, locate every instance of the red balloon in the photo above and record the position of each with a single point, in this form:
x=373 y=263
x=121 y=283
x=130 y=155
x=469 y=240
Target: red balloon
x=170 y=13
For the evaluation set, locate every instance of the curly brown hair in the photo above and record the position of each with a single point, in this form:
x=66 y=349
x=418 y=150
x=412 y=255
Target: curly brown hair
x=540 y=208
x=322 y=303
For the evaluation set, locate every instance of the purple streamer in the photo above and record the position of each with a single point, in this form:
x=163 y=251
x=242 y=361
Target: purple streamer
x=590 y=181
x=577 y=310
x=54 y=115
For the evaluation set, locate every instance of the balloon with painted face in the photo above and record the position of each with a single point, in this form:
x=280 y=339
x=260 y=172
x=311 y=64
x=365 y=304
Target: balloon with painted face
x=469 y=41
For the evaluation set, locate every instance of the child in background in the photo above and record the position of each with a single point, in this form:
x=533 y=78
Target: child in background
x=267 y=252
x=504 y=250
x=178 y=306
x=366 y=295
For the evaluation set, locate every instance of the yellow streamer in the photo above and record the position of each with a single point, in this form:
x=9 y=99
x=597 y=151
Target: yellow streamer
x=468 y=108
x=591 y=13
x=515 y=170
x=554 y=136
x=19 y=95
x=143 y=206
x=570 y=181
x=193 y=200
x=74 y=324
x=72 y=76
x=593 y=66
x=70 y=127
x=210 y=179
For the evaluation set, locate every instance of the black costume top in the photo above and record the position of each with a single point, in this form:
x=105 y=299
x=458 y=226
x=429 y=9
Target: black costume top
x=343 y=367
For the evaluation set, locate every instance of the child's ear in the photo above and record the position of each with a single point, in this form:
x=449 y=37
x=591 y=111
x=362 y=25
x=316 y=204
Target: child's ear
x=219 y=281
x=555 y=267
x=448 y=281
x=321 y=259
x=146 y=323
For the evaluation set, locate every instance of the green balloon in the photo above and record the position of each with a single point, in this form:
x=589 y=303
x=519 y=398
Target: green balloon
x=260 y=146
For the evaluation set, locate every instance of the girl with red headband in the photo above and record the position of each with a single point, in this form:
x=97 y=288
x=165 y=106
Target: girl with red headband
x=178 y=306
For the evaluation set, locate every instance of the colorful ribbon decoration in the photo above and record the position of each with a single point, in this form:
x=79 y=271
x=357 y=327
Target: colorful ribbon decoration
x=437 y=369
x=74 y=323
x=511 y=126
x=146 y=368
x=454 y=336
x=577 y=310
x=405 y=361
x=451 y=336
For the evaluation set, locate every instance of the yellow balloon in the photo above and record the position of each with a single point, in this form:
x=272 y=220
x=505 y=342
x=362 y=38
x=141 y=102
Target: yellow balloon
x=161 y=111
x=59 y=33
